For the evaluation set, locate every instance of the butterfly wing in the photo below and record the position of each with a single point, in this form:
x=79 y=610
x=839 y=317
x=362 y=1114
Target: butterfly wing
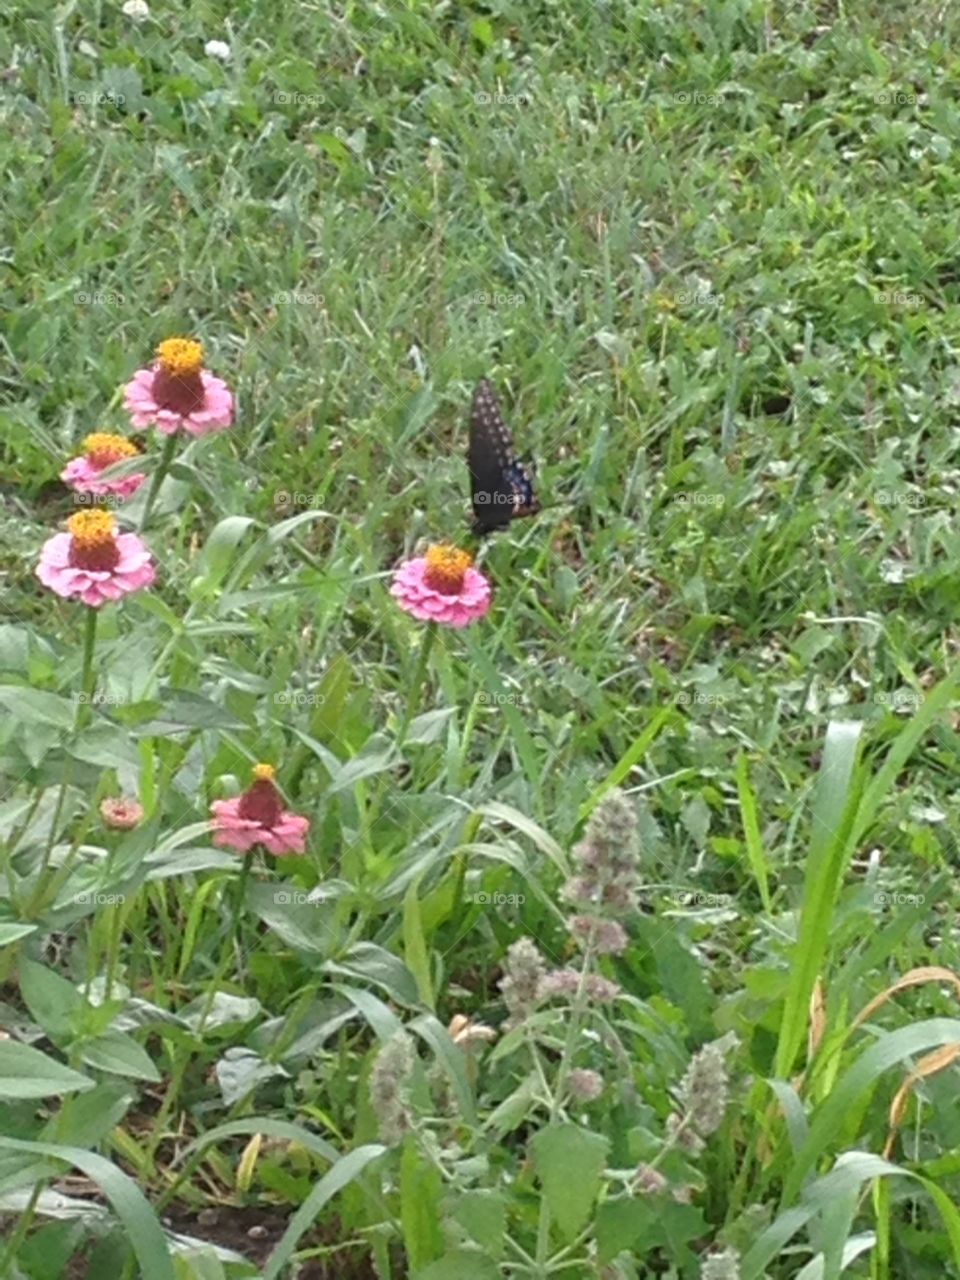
x=500 y=488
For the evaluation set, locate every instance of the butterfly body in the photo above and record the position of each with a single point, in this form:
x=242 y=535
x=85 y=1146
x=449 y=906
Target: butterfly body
x=501 y=488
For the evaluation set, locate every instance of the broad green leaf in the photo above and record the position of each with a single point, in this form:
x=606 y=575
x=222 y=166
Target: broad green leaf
x=420 y=1190
x=483 y=1215
x=239 y=1072
x=53 y=1002
x=28 y=1073
x=367 y=960
x=463 y=1264
x=120 y=1054
x=558 y=1151
x=303 y=925
x=14 y=932
x=30 y=705
x=106 y=745
x=139 y=1222
x=620 y=1224
x=85 y=1119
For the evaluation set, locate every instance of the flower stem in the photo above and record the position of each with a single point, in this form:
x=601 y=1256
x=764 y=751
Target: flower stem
x=88 y=677
x=409 y=712
x=416 y=687
x=156 y=480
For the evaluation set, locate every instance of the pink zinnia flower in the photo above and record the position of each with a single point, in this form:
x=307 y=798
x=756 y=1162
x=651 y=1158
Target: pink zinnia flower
x=177 y=393
x=121 y=814
x=442 y=586
x=94 y=562
x=258 y=817
x=100 y=451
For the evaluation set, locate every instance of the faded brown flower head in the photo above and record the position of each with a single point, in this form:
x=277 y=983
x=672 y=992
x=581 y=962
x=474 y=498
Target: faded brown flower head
x=558 y=982
x=522 y=971
x=601 y=989
x=607 y=937
x=605 y=860
x=721 y=1266
x=121 y=813
x=648 y=1181
x=389 y=1085
x=585 y=1085
x=703 y=1091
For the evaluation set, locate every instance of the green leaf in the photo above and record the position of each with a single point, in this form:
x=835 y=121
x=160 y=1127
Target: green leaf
x=120 y=1054
x=483 y=1215
x=751 y=831
x=569 y=1161
x=367 y=960
x=14 y=932
x=53 y=1002
x=620 y=1224
x=414 y=946
x=218 y=552
x=305 y=926
x=85 y=1119
x=832 y=817
x=28 y=1073
x=364 y=765
x=29 y=705
x=239 y=1072
x=270 y=1129
x=634 y=753
x=420 y=1190
x=139 y=1222
x=463 y=1264
x=499 y=812
x=451 y=1057
x=889 y=1050
x=346 y=1169
x=106 y=745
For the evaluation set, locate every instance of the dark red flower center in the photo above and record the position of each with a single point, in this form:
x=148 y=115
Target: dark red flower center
x=178 y=392
x=261 y=803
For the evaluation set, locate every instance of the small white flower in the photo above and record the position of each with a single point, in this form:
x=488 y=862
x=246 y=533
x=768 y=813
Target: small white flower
x=136 y=10
x=217 y=49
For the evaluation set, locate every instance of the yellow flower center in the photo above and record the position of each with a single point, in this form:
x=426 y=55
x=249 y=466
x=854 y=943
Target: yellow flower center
x=103 y=449
x=446 y=568
x=264 y=772
x=93 y=543
x=181 y=357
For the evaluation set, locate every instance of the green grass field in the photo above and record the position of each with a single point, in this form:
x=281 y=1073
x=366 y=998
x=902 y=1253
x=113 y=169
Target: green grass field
x=709 y=256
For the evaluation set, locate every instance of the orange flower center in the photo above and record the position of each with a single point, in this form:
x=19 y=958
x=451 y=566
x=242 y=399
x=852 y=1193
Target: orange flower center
x=261 y=801
x=93 y=540
x=181 y=357
x=177 y=384
x=446 y=569
x=103 y=449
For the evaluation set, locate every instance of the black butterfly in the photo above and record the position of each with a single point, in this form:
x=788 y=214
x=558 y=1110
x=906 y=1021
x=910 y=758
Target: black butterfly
x=500 y=487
